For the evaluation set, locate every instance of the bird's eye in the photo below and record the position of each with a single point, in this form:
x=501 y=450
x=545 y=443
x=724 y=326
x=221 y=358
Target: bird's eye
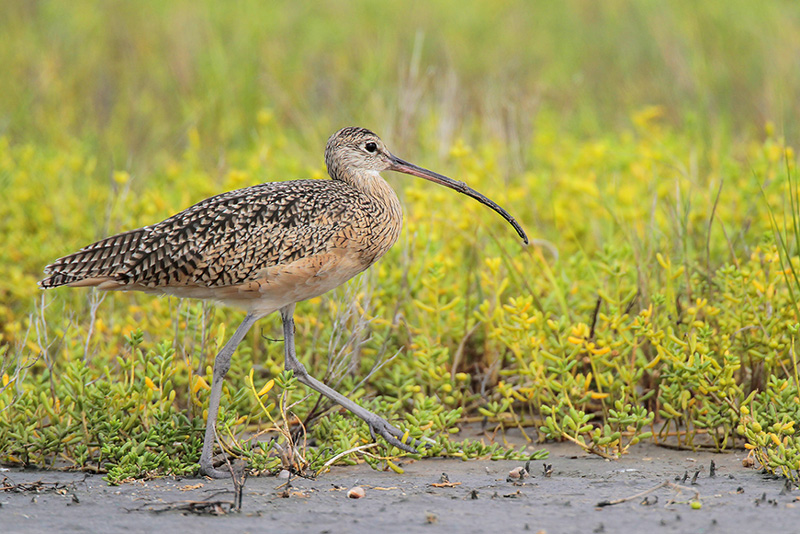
x=371 y=147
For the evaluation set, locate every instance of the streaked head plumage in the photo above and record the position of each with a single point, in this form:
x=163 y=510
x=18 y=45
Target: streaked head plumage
x=354 y=150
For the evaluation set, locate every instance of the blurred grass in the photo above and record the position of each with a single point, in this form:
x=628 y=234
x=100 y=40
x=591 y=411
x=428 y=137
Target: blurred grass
x=646 y=141
x=132 y=77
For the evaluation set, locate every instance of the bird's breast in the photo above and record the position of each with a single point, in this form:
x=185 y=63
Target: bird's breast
x=379 y=226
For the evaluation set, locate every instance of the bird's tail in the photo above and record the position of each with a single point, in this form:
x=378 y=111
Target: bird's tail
x=94 y=265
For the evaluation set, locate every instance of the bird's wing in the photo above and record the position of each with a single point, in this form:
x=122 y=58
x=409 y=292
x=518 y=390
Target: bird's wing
x=222 y=241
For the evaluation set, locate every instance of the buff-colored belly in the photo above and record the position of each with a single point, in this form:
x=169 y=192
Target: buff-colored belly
x=281 y=285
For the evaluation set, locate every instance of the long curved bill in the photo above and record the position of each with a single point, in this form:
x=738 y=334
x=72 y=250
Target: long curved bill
x=403 y=166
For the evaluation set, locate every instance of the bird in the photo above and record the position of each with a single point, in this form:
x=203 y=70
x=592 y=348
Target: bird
x=265 y=248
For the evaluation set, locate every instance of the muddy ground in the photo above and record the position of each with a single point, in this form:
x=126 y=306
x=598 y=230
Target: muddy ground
x=479 y=498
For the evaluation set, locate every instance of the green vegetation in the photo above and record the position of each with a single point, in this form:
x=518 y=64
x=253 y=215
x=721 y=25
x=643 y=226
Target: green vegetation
x=646 y=146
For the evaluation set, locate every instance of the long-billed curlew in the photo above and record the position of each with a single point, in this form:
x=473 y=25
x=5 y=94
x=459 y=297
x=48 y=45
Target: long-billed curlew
x=264 y=248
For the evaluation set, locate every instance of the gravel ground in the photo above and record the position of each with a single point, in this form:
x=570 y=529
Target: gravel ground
x=479 y=497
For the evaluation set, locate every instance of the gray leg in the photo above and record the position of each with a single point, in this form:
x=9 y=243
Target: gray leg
x=221 y=365
x=376 y=424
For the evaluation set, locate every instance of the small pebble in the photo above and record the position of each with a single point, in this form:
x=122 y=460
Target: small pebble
x=284 y=474
x=356 y=492
x=518 y=472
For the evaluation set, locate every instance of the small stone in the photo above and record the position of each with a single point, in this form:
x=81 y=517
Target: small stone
x=518 y=472
x=356 y=492
x=284 y=474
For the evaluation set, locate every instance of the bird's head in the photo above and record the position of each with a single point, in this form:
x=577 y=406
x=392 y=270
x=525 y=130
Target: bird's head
x=355 y=150
x=356 y=154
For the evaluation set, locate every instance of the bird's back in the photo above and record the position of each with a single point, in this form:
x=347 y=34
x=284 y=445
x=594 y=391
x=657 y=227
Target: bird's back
x=236 y=238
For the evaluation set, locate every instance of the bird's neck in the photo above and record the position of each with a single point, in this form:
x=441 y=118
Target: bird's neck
x=383 y=215
x=381 y=190
x=372 y=184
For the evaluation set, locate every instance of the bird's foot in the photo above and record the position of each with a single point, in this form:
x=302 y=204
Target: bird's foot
x=214 y=473
x=389 y=432
x=207 y=469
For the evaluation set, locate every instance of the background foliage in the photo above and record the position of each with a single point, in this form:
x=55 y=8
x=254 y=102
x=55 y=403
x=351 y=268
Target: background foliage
x=646 y=145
